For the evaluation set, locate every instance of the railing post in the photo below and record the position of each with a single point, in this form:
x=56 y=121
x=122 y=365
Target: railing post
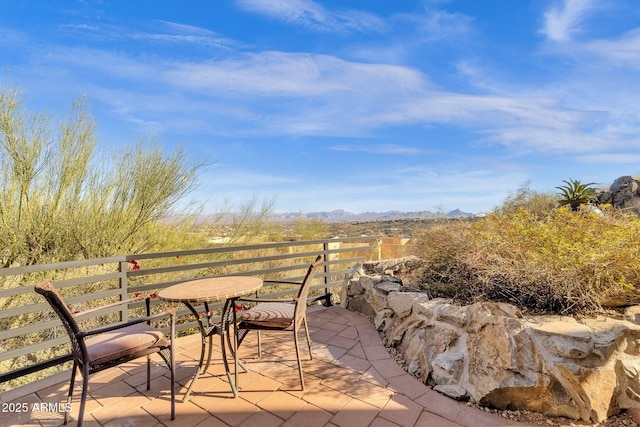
x=124 y=289
x=325 y=255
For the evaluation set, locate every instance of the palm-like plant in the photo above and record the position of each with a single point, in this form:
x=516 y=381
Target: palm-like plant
x=574 y=190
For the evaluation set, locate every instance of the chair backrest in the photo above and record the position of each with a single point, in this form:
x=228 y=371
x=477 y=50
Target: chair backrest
x=303 y=293
x=47 y=290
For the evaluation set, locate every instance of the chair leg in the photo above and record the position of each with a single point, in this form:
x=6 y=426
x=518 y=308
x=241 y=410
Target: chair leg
x=83 y=398
x=306 y=331
x=295 y=340
x=259 y=346
x=148 y=372
x=172 y=368
x=71 y=385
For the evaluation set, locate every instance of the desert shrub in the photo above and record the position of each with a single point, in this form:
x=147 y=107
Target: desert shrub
x=564 y=262
x=442 y=246
x=60 y=201
x=524 y=198
x=310 y=229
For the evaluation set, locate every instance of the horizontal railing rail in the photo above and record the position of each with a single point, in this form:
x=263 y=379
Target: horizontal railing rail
x=32 y=338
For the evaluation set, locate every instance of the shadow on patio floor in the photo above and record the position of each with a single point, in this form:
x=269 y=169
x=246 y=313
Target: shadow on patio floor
x=351 y=382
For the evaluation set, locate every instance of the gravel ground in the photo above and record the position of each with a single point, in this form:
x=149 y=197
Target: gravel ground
x=533 y=418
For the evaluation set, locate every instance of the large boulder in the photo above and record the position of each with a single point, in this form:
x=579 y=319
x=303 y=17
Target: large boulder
x=624 y=193
x=489 y=353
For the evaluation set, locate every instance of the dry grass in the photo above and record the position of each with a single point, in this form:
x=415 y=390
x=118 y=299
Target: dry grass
x=563 y=262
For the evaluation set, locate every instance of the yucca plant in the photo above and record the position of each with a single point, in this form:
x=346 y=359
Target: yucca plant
x=574 y=190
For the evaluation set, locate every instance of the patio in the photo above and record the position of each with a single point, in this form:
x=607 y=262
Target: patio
x=352 y=381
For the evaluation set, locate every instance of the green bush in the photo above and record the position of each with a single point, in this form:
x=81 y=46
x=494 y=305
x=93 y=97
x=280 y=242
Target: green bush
x=564 y=262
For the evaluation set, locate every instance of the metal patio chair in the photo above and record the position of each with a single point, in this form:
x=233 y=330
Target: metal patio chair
x=98 y=349
x=286 y=315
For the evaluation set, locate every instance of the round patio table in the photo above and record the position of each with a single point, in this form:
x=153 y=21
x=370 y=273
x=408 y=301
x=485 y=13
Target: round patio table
x=198 y=292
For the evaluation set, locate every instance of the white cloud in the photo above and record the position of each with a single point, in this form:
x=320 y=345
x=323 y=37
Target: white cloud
x=561 y=22
x=282 y=93
x=624 y=51
x=186 y=34
x=435 y=25
x=380 y=149
x=282 y=74
x=611 y=158
x=99 y=62
x=308 y=13
x=408 y=189
x=346 y=98
x=158 y=31
x=537 y=123
x=227 y=176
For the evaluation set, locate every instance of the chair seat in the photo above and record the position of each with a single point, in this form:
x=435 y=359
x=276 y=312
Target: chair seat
x=93 y=351
x=123 y=342
x=271 y=314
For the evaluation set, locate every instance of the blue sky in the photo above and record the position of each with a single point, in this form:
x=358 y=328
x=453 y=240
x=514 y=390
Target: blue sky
x=358 y=105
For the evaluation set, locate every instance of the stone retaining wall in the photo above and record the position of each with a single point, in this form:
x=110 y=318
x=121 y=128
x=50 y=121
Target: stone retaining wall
x=490 y=354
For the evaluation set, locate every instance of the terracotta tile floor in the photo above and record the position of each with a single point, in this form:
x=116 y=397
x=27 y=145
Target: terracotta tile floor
x=352 y=381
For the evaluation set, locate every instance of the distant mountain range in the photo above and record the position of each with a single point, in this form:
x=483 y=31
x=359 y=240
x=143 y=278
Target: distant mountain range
x=344 y=216
x=340 y=215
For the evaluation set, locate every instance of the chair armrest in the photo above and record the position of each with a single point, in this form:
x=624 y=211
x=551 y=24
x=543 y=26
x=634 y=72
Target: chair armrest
x=104 y=307
x=171 y=312
x=279 y=282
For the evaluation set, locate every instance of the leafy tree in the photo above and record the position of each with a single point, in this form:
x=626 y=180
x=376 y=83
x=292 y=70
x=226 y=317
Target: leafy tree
x=60 y=201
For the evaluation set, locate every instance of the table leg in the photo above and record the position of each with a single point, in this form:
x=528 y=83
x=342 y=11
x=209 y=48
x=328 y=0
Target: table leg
x=228 y=305
x=228 y=317
x=203 y=335
x=210 y=335
x=235 y=342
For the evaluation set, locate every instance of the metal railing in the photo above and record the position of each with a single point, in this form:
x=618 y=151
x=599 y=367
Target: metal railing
x=32 y=338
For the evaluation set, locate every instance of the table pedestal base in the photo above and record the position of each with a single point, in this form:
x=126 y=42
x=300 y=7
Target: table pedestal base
x=207 y=332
